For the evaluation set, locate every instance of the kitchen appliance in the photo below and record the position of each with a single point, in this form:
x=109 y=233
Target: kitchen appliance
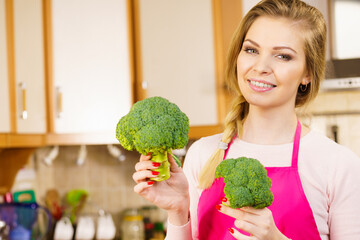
x=25 y=220
x=342 y=74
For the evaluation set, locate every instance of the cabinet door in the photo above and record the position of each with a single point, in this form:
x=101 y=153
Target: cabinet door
x=28 y=75
x=4 y=81
x=91 y=71
x=178 y=55
x=29 y=66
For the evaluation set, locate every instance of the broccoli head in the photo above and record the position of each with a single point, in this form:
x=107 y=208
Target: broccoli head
x=246 y=182
x=154 y=125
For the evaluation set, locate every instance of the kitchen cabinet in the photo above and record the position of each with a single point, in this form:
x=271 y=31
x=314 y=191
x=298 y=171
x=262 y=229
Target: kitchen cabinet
x=180 y=49
x=66 y=77
x=345 y=44
x=29 y=67
x=178 y=56
x=4 y=83
x=85 y=68
x=23 y=110
x=89 y=63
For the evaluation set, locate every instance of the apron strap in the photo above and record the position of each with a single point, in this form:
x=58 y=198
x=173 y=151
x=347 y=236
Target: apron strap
x=295 y=153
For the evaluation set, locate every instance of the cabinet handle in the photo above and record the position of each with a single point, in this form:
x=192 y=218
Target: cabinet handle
x=24 y=113
x=59 y=102
x=144 y=85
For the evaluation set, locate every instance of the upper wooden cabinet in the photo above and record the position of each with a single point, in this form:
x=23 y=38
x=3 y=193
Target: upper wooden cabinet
x=180 y=51
x=76 y=67
x=22 y=108
x=29 y=67
x=66 y=76
x=91 y=65
x=178 y=56
x=22 y=67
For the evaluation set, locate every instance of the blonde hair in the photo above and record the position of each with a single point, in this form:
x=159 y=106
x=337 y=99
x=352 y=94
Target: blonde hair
x=313 y=25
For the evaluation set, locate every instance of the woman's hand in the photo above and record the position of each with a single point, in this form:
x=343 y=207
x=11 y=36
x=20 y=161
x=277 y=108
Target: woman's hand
x=171 y=194
x=258 y=222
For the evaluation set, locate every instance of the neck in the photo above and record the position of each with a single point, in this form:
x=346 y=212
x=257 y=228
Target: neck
x=268 y=128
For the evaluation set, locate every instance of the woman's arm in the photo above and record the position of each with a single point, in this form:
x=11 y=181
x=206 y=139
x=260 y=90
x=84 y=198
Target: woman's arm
x=344 y=198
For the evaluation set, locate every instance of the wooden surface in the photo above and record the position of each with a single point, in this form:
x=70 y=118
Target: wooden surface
x=12 y=160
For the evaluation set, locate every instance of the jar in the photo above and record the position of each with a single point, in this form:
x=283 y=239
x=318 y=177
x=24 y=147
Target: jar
x=132 y=225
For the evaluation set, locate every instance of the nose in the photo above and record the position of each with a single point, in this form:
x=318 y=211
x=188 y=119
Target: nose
x=262 y=65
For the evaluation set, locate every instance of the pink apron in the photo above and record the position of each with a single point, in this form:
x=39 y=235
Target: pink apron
x=290 y=208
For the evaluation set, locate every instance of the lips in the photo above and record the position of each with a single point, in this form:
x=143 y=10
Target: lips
x=260 y=85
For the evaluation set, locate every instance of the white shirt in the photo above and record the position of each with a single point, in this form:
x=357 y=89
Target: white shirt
x=329 y=173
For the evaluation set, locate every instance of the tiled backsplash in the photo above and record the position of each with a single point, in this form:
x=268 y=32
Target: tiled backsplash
x=108 y=181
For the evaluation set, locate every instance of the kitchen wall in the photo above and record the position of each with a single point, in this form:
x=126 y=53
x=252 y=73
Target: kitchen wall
x=108 y=181
x=339 y=109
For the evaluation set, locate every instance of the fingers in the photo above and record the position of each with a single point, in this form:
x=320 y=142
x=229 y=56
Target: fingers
x=258 y=222
x=145 y=169
x=144 y=175
x=245 y=218
x=142 y=186
x=235 y=213
x=145 y=157
x=146 y=164
x=245 y=226
x=240 y=212
x=238 y=235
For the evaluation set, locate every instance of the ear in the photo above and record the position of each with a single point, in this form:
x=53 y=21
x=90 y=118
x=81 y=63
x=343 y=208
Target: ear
x=306 y=79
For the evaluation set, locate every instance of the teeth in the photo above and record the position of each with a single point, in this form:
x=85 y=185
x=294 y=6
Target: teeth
x=262 y=85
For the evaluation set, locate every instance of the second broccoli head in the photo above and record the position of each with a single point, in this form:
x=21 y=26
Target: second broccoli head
x=154 y=125
x=246 y=182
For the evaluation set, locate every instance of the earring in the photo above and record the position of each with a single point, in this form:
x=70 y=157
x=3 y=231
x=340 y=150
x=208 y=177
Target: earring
x=303 y=87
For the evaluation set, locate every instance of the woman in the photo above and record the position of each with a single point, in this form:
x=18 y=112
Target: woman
x=275 y=64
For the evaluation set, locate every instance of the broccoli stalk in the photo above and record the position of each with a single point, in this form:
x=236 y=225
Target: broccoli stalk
x=246 y=182
x=154 y=125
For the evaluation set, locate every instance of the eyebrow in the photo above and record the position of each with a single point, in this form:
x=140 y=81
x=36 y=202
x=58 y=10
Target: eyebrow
x=275 y=48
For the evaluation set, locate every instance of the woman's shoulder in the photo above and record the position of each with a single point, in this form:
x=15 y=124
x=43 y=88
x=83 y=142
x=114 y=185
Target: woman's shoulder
x=205 y=144
x=201 y=149
x=209 y=140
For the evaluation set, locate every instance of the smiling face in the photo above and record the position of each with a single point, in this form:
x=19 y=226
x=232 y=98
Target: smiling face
x=271 y=63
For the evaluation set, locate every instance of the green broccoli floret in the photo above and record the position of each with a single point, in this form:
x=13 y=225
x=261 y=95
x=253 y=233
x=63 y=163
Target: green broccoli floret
x=246 y=182
x=154 y=125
